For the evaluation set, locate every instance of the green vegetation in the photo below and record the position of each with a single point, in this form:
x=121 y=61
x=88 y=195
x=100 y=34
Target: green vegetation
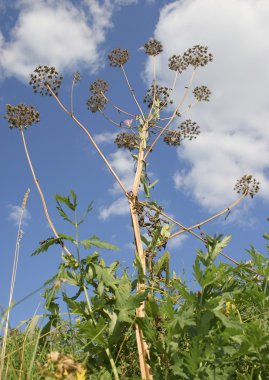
x=150 y=325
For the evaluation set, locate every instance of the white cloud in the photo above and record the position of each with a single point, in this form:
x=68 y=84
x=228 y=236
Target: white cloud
x=123 y=164
x=105 y=138
x=15 y=215
x=56 y=33
x=235 y=137
x=177 y=241
x=118 y=207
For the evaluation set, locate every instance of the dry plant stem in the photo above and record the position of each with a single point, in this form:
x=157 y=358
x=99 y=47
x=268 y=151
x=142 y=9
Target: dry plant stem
x=227 y=209
x=117 y=108
x=187 y=88
x=143 y=351
x=132 y=92
x=12 y=284
x=72 y=98
x=41 y=194
x=108 y=118
x=185 y=110
x=154 y=88
x=91 y=139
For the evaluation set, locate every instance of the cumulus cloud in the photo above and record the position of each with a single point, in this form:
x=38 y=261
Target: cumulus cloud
x=176 y=242
x=118 y=207
x=105 y=138
x=15 y=214
x=123 y=164
x=234 y=139
x=56 y=33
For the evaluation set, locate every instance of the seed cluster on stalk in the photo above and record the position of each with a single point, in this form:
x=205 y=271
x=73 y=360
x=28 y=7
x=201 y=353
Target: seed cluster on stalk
x=21 y=116
x=202 y=93
x=118 y=57
x=44 y=79
x=126 y=140
x=188 y=129
x=247 y=185
x=161 y=93
x=153 y=47
x=97 y=101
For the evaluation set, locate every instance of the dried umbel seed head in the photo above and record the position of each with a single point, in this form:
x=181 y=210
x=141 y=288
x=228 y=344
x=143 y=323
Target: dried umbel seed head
x=96 y=102
x=99 y=86
x=189 y=130
x=21 y=116
x=118 y=57
x=126 y=140
x=161 y=93
x=172 y=138
x=153 y=47
x=177 y=63
x=202 y=93
x=45 y=77
x=76 y=77
x=247 y=185
x=197 y=56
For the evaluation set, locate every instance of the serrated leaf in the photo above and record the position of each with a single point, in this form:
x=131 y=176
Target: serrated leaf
x=153 y=184
x=163 y=264
x=65 y=200
x=45 y=246
x=94 y=240
x=63 y=214
x=74 y=196
x=89 y=208
x=66 y=237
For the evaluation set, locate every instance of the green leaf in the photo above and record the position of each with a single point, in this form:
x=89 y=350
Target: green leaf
x=94 y=240
x=66 y=237
x=145 y=186
x=63 y=214
x=74 y=196
x=89 y=208
x=153 y=184
x=45 y=245
x=163 y=264
x=66 y=201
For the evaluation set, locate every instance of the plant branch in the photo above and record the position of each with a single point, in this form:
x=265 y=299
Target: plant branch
x=41 y=194
x=116 y=107
x=173 y=115
x=92 y=141
x=132 y=92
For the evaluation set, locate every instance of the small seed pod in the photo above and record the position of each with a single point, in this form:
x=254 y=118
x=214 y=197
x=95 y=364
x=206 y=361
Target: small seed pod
x=153 y=47
x=161 y=93
x=118 y=57
x=99 y=86
x=202 y=93
x=172 y=138
x=44 y=79
x=177 y=63
x=96 y=103
x=21 y=116
x=197 y=56
x=247 y=185
x=126 y=140
x=189 y=129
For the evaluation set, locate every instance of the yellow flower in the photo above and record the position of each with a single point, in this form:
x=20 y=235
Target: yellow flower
x=81 y=374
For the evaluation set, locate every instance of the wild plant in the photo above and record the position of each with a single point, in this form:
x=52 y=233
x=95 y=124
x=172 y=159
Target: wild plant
x=109 y=307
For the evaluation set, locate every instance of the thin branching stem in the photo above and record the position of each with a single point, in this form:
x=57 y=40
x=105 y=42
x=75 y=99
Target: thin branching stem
x=120 y=110
x=72 y=97
x=154 y=87
x=109 y=119
x=227 y=209
x=91 y=139
x=42 y=195
x=187 y=88
x=132 y=92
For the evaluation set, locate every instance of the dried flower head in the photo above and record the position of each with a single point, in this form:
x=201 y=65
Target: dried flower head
x=45 y=77
x=76 y=77
x=21 y=116
x=118 y=57
x=126 y=140
x=197 y=56
x=177 y=63
x=172 y=138
x=202 y=93
x=161 y=93
x=99 y=86
x=153 y=47
x=189 y=129
x=96 y=102
x=247 y=185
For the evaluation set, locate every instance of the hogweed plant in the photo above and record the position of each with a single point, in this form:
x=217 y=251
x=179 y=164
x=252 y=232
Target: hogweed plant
x=107 y=307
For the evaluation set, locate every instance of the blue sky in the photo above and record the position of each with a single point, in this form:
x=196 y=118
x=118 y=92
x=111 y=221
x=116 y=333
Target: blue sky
x=196 y=180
